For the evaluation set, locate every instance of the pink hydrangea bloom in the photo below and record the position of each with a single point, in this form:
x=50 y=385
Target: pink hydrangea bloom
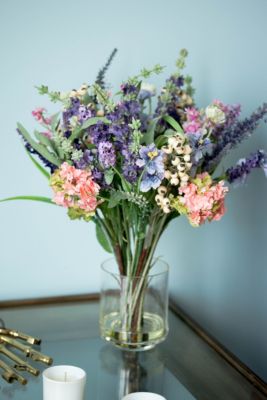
x=191 y=127
x=38 y=114
x=216 y=115
x=74 y=188
x=202 y=200
x=193 y=121
x=192 y=114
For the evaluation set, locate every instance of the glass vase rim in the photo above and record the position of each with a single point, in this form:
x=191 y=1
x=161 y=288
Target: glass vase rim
x=150 y=274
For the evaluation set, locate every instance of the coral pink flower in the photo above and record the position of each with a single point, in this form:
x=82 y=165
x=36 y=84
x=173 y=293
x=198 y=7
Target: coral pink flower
x=202 y=200
x=74 y=188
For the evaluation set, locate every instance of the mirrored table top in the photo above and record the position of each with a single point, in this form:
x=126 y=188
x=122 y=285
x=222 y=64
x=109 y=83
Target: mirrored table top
x=184 y=367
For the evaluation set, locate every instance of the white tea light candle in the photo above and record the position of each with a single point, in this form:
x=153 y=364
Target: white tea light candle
x=143 y=396
x=64 y=382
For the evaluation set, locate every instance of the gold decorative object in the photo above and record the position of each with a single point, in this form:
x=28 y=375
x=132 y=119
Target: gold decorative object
x=9 y=338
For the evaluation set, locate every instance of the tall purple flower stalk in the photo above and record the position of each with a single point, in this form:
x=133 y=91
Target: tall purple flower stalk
x=240 y=172
x=106 y=154
x=29 y=148
x=233 y=135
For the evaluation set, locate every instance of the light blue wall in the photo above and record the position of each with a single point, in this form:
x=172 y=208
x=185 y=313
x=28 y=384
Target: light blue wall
x=218 y=272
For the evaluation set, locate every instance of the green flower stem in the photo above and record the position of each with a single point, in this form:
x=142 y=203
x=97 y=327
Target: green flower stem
x=147 y=264
x=128 y=239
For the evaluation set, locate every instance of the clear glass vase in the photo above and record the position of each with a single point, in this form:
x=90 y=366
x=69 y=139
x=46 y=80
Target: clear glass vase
x=134 y=310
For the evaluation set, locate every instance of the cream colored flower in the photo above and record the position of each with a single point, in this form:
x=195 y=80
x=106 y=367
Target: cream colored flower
x=176 y=161
x=158 y=199
x=83 y=90
x=188 y=165
x=187 y=158
x=73 y=93
x=180 y=150
x=162 y=190
x=172 y=141
x=163 y=203
x=174 y=180
x=181 y=167
x=187 y=149
x=215 y=114
x=184 y=178
x=167 y=174
x=148 y=87
x=166 y=149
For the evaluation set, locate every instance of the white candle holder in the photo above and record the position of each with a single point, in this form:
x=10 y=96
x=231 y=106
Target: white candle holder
x=143 y=396
x=64 y=382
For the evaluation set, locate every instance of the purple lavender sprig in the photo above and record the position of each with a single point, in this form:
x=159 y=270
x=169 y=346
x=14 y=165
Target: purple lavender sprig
x=100 y=79
x=106 y=154
x=233 y=135
x=31 y=150
x=240 y=172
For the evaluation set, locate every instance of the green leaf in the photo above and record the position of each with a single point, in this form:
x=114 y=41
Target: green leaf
x=174 y=124
x=33 y=198
x=109 y=175
x=169 y=133
x=93 y=121
x=114 y=199
x=161 y=141
x=149 y=135
x=102 y=238
x=90 y=146
x=90 y=122
x=75 y=133
x=44 y=140
x=54 y=121
x=42 y=89
x=40 y=148
x=126 y=185
x=38 y=166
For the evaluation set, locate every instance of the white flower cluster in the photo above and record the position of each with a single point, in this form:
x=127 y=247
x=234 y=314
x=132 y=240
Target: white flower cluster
x=177 y=165
x=79 y=93
x=162 y=201
x=215 y=114
x=177 y=160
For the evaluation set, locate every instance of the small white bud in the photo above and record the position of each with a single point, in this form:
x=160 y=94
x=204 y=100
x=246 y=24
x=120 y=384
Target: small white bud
x=181 y=167
x=188 y=165
x=174 y=180
x=166 y=150
x=162 y=190
x=176 y=161
x=158 y=199
x=184 y=178
x=167 y=174
x=172 y=141
x=187 y=149
x=187 y=157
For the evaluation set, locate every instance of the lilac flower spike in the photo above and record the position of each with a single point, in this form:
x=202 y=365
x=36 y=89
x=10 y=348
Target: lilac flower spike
x=240 y=172
x=106 y=154
x=151 y=160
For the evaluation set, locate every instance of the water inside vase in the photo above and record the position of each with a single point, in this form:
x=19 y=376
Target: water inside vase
x=151 y=332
